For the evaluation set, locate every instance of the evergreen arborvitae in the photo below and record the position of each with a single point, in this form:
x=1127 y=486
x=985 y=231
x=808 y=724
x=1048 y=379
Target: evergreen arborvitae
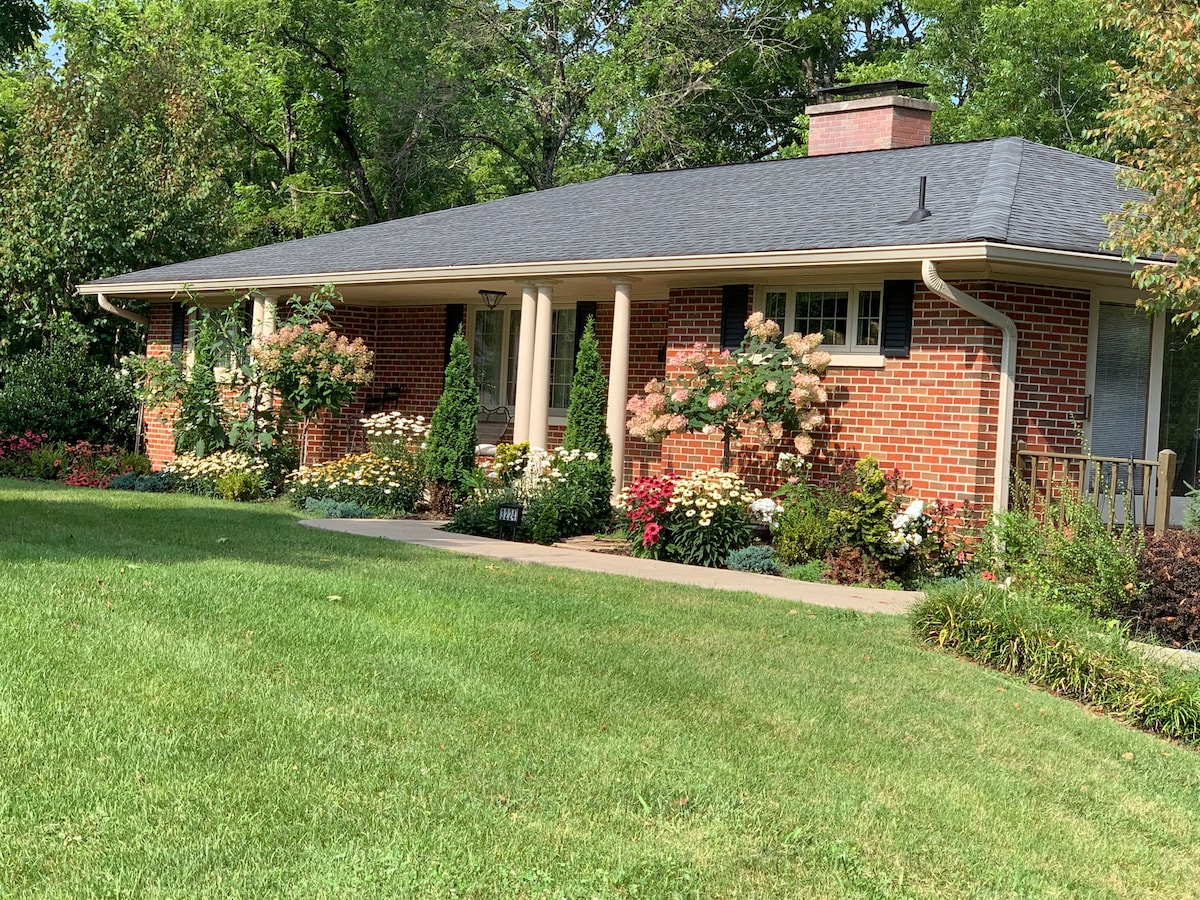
x=587 y=425
x=587 y=432
x=450 y=448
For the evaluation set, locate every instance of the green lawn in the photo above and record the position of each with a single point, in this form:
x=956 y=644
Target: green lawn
x=203 y=699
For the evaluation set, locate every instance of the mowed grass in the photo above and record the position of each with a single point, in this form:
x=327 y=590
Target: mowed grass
x=204 y=699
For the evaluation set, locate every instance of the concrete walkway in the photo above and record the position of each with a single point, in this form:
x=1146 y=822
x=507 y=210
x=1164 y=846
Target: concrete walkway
x=426 y=533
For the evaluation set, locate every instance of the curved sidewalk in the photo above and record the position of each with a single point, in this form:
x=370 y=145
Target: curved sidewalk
x=426 y=533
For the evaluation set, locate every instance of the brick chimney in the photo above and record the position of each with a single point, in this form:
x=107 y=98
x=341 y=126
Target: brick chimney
x=876 y=116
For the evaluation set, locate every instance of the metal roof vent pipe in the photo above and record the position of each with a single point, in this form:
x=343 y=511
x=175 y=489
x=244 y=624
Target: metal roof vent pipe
x=920 y=214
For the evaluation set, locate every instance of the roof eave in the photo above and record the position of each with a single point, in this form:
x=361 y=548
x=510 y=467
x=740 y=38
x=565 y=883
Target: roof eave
x=967 y=251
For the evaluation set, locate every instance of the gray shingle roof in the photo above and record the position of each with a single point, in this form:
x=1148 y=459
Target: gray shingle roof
x=1007 y=190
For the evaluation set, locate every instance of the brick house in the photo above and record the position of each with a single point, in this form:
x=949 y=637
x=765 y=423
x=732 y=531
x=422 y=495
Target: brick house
x=964 y=290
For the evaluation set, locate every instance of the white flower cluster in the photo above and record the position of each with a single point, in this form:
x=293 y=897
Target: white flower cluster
x=764 y=510
x=792 y=466
x=187 y=467
x=909 y=525
x=539 y=468
x=397 y=426
x=703 y=493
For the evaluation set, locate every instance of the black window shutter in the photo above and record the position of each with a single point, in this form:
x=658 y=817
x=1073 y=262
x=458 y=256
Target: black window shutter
x=456 y=318
x=583 y=311
x=178 y=328
x=248 y=315
x=735 y=309
x=897 y=317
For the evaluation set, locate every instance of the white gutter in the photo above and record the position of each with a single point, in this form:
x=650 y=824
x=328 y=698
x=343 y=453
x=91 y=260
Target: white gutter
x=119 y=311
x=968 y=251
x=1008 y=372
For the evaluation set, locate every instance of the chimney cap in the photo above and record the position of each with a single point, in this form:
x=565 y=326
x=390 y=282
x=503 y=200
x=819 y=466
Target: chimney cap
x=894 y=86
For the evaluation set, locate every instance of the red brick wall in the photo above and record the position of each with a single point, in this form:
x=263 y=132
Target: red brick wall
x=409 y=348
x=160 y=443
x=933 y=414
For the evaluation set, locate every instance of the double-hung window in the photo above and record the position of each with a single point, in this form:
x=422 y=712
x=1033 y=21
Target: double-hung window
x=850 y=317
x=496 y=336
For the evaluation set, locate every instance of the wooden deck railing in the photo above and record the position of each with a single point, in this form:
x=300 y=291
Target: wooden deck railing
x=1113 y=485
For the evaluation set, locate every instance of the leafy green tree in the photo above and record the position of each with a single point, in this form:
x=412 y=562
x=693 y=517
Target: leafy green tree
x=20 y=23
x=107 y=165
x=1155 y=130
x=1037 y=69
x=450 y=449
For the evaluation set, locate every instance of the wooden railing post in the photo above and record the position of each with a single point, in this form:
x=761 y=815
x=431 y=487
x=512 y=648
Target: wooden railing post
x=1162 y=500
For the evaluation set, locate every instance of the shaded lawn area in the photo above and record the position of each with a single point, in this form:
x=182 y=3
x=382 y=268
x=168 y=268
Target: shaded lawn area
x=203 y=699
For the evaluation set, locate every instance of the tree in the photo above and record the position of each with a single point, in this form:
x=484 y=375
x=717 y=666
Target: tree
x=766 y=387
x=1037 y=69
x=587 y=432
x=20 y=23
x=107 y=165
x=450 y=449
x=1154 y=129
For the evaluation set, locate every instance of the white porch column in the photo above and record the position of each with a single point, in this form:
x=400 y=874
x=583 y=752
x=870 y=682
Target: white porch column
x=263 y=322
x=618 y=378
x=539 y=393
x=525 y=352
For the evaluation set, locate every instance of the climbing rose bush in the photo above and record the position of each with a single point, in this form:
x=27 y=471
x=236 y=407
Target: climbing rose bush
x=768 y=386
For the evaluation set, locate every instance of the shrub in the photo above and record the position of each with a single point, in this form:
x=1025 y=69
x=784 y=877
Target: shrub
x=510 y=460
x=556 y=489
x=17 y=454
x=155 y=483
x=1191 y=512
x=384 y=485
x=813 y=570
x=59 y=392
x=862 y=517
x=587 y=426
x=803 y=534
x=207 y=476
x=333 y=509
x=756 y=558
x=450 y=449
x=83 y=464
x=705 y=516
x=1169 y=607
x=311 y=366
x=764 y=388
x=1070 y=558
x=241 y=486
x=1063 y=650
x=394 y=435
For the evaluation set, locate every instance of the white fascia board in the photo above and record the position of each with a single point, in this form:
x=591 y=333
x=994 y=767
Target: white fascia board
x=978 y=251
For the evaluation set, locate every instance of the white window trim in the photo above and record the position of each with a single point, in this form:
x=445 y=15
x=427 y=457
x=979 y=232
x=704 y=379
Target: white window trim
x=849 y=356
x=558 y=414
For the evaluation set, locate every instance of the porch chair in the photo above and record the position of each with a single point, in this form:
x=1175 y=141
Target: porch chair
x=492 y=426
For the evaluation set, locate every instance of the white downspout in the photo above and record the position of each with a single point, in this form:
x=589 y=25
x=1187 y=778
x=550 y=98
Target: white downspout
x=1008 y=371
x=118 y=311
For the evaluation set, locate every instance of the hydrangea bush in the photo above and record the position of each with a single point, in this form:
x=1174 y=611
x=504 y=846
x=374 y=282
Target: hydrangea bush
x=388 y=486
x=767 y=386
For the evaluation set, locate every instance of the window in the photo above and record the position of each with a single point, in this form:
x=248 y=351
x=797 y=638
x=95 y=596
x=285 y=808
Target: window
x=496 y=336
x=851 y=318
